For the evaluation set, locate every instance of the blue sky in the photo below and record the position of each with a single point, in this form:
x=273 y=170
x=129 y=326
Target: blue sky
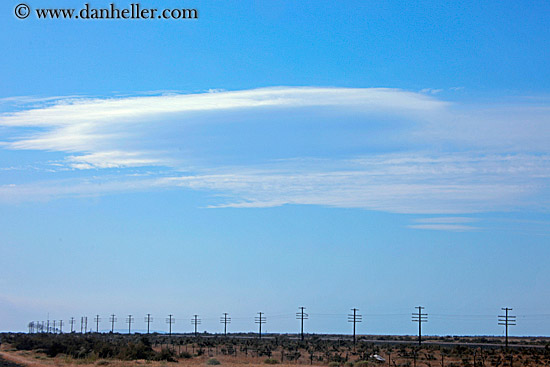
x=271 y=155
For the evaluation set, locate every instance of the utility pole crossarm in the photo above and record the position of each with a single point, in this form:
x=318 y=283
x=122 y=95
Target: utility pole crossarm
x=506 y=320
x=302 y=316
x=260 y=319
x=354 y=318
x=129 y=321
x=225 y=320
x=97 y=319
x=419 y=317
x=112 y=320
x=170 y=320
x=196 y=321
x=148 y=320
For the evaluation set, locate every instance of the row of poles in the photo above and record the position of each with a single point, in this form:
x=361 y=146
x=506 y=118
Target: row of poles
x=45 y=326
x=419 y=317
x=506 y=320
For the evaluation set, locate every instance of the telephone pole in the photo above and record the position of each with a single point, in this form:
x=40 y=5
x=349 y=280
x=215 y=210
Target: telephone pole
x=72 y=324
x=97 y=320
x=225 y=320
x=419 y=317
x=60 y=326
x=354 y=318
x=506 y=320
x=260 y=320
x=148 y=320
x=112 y=320
x=302 y=316
x=129 y=321
x=196 y=321
x=170 y=320
x=54 y=330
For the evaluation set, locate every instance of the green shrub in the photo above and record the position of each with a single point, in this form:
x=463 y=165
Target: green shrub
x=91 y=347
x=271 y=361
x=334 y=364
x=166 y=354
x=185 y=355
x=361 y=364
x=212 y=362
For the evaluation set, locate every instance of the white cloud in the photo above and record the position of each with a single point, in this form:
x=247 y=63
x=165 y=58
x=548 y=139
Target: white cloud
x=446 y=220
x=454 y=158
x=403 y=184
x=456 y=224
x=102 y=126
x=412 y=184
x=112 y=159
x=122 y=110
x=443 y=227
x=431 y=91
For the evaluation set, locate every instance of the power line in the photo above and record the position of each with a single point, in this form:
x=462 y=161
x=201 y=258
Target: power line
x=260 y=320
x=225 y=320
x=420 y=318
x=506 y=320
x=97 y=319
x=302 y=316
x=355 y=318
x=112 y=319
x=170 y=320
x=148 y=320
x=196 y=321
x=82 y=326
x=129 y=321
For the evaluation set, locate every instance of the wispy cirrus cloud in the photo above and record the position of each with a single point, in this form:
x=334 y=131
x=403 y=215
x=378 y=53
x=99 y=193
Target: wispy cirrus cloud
x=371 y=148
x=102 y=126
x=121 y=110
x=391 y=183
x=112 y=159
x=446 y=220
x=394 y=183
x=443 y=227
x=459 y=224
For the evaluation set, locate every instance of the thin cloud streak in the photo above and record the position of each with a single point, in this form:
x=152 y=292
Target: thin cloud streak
x=388 y=184
x=446 y=220
x=449 y=187
x=443 y=227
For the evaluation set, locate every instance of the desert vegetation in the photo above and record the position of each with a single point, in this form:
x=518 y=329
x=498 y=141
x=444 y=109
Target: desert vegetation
x=100 y=349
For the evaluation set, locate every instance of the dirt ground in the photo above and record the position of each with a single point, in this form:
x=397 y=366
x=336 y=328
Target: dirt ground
x=32 y=359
